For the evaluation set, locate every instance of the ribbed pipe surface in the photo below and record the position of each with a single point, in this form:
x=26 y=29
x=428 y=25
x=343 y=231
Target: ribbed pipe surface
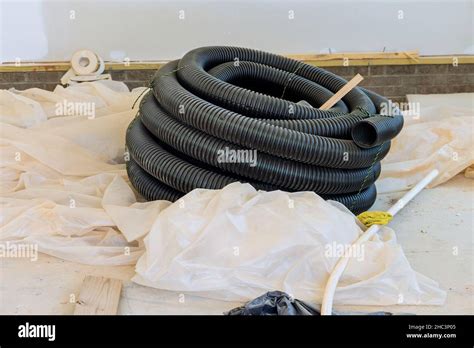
x=226 y=114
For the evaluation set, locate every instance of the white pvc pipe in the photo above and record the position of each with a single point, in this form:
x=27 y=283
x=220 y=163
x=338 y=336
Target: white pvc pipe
x=329 y=291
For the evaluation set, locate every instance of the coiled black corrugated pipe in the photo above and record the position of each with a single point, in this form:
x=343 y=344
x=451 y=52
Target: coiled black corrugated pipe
x=248 y=103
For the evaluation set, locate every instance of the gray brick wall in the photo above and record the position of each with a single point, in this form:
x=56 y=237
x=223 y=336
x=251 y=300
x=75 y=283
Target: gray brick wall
x=392 y=81
x=396 y=81
x=23 y=80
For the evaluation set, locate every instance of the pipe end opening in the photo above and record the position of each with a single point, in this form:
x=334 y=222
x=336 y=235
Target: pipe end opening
x=365 y=134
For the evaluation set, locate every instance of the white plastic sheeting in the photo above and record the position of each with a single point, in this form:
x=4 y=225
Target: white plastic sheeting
x=62 y=179
x=440 y=135
x=64 y=187
x=236 y=243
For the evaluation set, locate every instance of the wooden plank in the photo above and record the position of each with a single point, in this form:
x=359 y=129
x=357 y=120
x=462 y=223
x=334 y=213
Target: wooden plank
x=432 y=60
x=65 y=66
x=327 y=61
x=342 y=92
x=356 y=56
x=98 y=296
x=412 y=56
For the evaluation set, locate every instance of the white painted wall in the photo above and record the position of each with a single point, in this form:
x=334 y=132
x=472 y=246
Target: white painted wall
x=47 y=30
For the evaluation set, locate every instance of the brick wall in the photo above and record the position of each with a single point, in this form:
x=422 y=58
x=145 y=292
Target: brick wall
x=392 y=81
x=49 y=79
x=396 y=81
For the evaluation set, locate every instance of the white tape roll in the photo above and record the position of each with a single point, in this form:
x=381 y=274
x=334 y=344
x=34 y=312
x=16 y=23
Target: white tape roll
x=85 y=62
x=101 y=68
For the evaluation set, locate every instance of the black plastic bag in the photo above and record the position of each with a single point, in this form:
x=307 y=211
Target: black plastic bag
x=274 y=303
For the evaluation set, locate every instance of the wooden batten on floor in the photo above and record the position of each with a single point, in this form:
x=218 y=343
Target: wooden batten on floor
x=98 y=296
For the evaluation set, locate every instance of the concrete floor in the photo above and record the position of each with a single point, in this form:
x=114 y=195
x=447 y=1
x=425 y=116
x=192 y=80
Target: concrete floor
x=435 y=230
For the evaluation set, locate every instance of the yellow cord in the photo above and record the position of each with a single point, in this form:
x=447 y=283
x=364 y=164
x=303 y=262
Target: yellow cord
x=369 y=218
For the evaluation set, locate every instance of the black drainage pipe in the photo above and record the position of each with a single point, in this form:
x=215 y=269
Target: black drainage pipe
x=226 y=114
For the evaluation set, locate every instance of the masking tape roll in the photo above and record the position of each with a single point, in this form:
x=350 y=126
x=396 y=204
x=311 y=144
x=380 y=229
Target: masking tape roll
x=101 y=68
x=85 y=62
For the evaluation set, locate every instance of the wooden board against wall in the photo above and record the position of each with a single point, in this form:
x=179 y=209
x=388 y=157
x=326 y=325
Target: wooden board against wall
x=327 y=60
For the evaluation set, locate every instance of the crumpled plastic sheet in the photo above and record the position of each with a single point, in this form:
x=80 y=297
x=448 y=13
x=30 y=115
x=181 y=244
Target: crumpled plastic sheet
x=236 y=243
x=63 y=186
x=439 y=136
x=63 y=182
